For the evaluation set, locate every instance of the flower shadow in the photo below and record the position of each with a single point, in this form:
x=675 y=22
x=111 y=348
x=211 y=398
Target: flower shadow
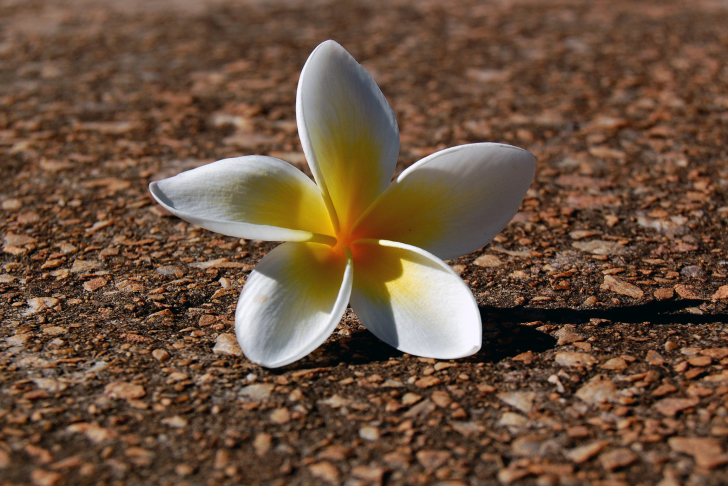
x=505 y=333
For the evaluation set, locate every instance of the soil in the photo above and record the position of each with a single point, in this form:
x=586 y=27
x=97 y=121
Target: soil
x=605 y=348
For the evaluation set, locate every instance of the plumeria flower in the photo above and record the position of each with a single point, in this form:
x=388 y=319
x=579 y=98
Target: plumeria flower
x=354 y=237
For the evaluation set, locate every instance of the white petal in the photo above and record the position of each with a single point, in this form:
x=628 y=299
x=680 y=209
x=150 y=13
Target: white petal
x=413 y=301
x=347 y=129
x=454 y=201
x=254 y=197
x=292 y=302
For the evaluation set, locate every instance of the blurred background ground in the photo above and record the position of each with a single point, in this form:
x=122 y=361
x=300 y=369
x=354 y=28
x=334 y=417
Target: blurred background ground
x=603 y=303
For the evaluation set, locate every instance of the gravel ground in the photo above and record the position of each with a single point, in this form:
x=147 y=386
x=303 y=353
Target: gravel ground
x=605 y=359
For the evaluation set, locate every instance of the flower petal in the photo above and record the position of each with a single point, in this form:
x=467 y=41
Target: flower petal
x=414 y=301
x=454 y=201
x=291 y=302
x=254 y=197
x=347 y=129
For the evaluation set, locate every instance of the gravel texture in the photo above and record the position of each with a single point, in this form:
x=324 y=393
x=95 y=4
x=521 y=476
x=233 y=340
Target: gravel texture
x=605 y=360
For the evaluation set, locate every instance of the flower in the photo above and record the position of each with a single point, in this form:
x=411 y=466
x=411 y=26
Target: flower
x=354 y=237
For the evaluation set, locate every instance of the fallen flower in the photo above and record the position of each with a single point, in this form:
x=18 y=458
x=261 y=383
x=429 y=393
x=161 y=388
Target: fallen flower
x=354 y=237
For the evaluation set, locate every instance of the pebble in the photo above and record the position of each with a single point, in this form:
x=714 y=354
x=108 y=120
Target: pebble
x=324 y=470
x=432 y=459
x=280 y=416
x=84 y=266
x=618 y=286
x=510 y=419
x=373 y=474
x=614 y=364
x=257 y=391
x=575 y=359
x=124 y=391
x=707 y=452
x=41 y=477
x=599 y=247
x=427 y=382
x=262 y=443
x=567 y=336
x=617 y=459
x=441 y=398
x=583 y=453
x=170 y=270
x=12 y=204
x=369 y=433
x=523 y=401
x=93 y=432
x=38 y=304
x=227 y=343
x=174 y=421
x=488 y=261
x=721 y=293
x=671 y=406
x=161 y=355
x=600 y=389
x=94 y=284
x=664 y=294
x=654 y=358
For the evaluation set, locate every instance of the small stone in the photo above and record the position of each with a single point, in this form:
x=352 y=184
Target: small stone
x=614 y=364
x=161 y=355
x=84 y=266
x=693 y=271
x=671 y=406
x=41 y=477
x=534 y=446
x=654 y=358
x=428 y=381
x=510 y=419
x=566 y=336
x=664 y=389
x=227 y=343
x=721 y=293
x=599 y=247
x=686 y=292
x=441 y=398
x=4 y=459
x=432 y=460
x=467 y=428
x=590 y=301
x=369 y=433
x=617 y=459
x=324 y=470
x=369 y=473
x=488 y=261
x=700 y=361
x=410 y=399
x=12 y=204
x=422 y=409
x=583 y=453
x=707 y=452
x=523 y=401
x=170 y=270
x=600 y=389
x=93 y=432
x=575 y=359
x=280 y=416
x=123 y=390
x=335 y=453
x=184 y=469
x=664 y=294
x=257 y=391
x=618 y=286
x=18 y=339
x=206 y=320
x=715 y=353
x=54 y=331
x=94 y=284
x=508 y=475
x=581 y=234
x=38 y=304
x=262 y=443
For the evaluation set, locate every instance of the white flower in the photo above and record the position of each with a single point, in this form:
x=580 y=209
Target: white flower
x=354 y=237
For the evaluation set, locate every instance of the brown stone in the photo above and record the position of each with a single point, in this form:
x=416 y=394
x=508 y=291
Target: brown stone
x=123 y=390
x=618 y=286
x=617 y=459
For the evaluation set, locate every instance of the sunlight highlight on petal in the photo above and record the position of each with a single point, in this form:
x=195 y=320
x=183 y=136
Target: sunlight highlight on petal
x=413 y=301
x=253 y=197
x=292 y=302
x=347 y=129
x=454 y=201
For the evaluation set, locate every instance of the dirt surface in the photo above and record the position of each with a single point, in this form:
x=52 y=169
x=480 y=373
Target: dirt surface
x=604 y=303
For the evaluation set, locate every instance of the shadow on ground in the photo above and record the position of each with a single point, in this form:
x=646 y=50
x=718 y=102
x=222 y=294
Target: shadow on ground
x=505 y=334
